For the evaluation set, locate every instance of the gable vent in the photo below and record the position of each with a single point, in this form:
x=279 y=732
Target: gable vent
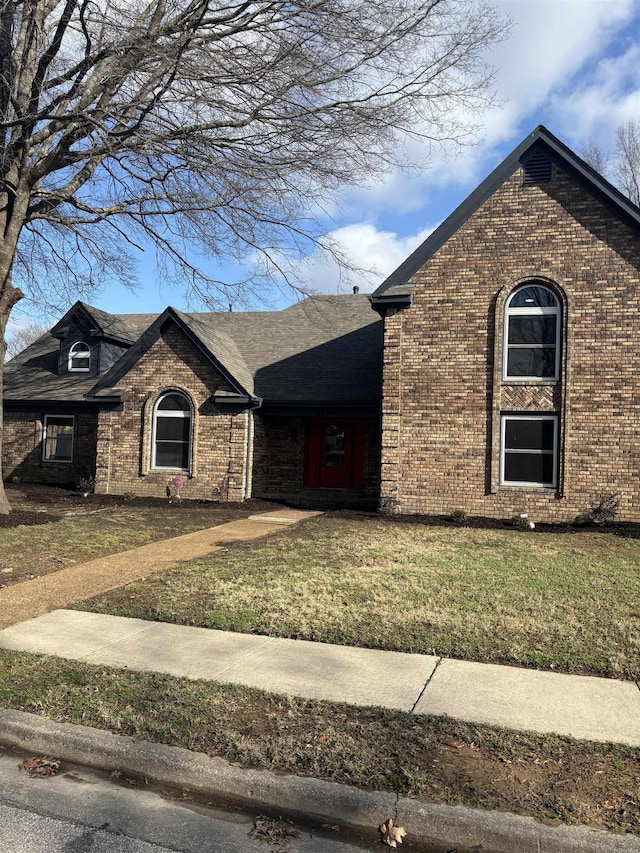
x=536 y=169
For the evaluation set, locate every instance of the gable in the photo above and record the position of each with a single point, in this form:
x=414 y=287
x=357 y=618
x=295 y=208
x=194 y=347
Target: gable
x=535 y=162
x=172 y=318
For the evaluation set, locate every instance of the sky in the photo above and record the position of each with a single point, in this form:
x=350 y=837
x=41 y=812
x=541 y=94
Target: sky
x=571 y=65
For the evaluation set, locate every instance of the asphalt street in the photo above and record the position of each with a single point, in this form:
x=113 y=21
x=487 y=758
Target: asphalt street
x=85 y=811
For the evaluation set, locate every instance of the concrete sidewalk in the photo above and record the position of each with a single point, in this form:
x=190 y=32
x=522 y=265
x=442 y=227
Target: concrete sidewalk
x=585 y=707
x=31 y=598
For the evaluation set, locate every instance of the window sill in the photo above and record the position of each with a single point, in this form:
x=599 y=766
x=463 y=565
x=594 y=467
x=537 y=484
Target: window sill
x=529 y=381
x=528 y=487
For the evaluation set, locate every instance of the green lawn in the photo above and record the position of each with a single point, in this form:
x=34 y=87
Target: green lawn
x=433 y=758
x=569 y=602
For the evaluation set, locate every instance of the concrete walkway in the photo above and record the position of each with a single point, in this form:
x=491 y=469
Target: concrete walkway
x=599 y=709
x=32 y=598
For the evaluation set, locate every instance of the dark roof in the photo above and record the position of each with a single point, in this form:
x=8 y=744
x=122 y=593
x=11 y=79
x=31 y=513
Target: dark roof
x=325 y=349
x=398 y=286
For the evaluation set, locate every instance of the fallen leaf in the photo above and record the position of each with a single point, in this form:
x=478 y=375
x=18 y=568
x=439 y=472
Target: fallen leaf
x=456 y=744
x=116 y=774
x=276 y=832
x=392 y=834
x=333 y=826
x=40 y=768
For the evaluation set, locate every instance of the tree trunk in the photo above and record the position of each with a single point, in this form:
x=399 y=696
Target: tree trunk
x=9 y=296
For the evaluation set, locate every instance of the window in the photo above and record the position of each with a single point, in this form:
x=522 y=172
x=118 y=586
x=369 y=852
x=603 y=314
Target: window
x=529 y=450
x=334 y=447
x=80 y=357
x=532 y=334
x=171 y=442
x=57 y=444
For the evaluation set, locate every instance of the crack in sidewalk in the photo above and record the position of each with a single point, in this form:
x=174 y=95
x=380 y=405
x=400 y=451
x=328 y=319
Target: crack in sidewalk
x=426 y=684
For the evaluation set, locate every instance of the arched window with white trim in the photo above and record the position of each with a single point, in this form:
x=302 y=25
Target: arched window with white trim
x=79 y=357
x=171 y=439
x=532 y=334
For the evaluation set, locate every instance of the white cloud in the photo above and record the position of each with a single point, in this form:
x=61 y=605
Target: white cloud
x=603 y=101
x=568 y=64
x=365 y=248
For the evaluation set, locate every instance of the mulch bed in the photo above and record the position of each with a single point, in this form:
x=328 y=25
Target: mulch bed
x=627 y=529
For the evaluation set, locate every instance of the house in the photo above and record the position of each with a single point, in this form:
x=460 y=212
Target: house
x=499 y=373
x=512 y=353
x=282 y=405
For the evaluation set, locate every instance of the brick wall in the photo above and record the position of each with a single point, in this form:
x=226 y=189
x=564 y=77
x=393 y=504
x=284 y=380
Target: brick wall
x=443 y=390
x=219 y=438
x=22 y=448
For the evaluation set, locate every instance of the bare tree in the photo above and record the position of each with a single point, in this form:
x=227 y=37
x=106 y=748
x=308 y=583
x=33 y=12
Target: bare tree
x=19 y=338
x=627 y=167
x=595 y=155
x=623 y=167
x=210 y=124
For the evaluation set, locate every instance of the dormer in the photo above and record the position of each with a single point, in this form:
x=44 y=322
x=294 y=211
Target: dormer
x=87 y=348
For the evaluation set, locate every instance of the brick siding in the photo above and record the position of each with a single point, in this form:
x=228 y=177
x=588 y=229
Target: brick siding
x=22 y=448
x=219 y=438
x=443 y=391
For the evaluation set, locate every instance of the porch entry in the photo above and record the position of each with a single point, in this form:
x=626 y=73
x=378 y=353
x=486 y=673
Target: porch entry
x=334 y=453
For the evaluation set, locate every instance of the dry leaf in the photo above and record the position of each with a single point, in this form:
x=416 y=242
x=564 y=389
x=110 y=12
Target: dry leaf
x=456 y=744
x=392 y=834
x=333 y=826
x=40 y=768
x=276 y=832
x=115 y=774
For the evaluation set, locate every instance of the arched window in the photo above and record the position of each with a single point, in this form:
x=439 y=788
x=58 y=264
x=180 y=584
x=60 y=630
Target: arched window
x=532 y=334
x=171 y=440
x=80 y=357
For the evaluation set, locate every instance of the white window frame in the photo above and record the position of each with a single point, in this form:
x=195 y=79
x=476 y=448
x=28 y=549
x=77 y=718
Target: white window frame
x=45 y=432
x=172 y=413
x=82 y=350
x=503 y=450
x=530 y=312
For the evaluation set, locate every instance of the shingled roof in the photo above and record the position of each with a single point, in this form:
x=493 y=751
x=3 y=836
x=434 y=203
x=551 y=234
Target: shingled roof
x=322 y=350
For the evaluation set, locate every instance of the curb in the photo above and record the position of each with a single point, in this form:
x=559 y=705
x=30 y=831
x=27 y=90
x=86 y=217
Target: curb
x=441 y=826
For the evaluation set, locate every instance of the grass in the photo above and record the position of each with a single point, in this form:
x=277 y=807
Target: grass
x=437 y=759
x=569 y=602
x=79 y=531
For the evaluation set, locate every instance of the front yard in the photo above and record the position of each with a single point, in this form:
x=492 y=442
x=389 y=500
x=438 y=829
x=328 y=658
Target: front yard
x=563 y=601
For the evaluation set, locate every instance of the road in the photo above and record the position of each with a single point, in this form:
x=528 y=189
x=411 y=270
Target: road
x=86 y=811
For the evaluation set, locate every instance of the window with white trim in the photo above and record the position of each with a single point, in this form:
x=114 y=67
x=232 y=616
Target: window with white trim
x=532 y=334
x=79 y=357
x=171 y=439
x=57 y=439
x=529 y=450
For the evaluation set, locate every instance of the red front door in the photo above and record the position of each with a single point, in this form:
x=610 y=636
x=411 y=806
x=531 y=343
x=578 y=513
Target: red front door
x=334 y=453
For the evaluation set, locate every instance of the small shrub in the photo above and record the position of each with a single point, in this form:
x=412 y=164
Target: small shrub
x=129 y=496
x=221 y=491
x=458 y=515
x=522 y=521
x=388 y=506
x=605 y=510
x=86 y=484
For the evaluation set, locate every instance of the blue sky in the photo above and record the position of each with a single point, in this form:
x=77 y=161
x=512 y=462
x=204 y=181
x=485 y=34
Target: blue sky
x=572 y=65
